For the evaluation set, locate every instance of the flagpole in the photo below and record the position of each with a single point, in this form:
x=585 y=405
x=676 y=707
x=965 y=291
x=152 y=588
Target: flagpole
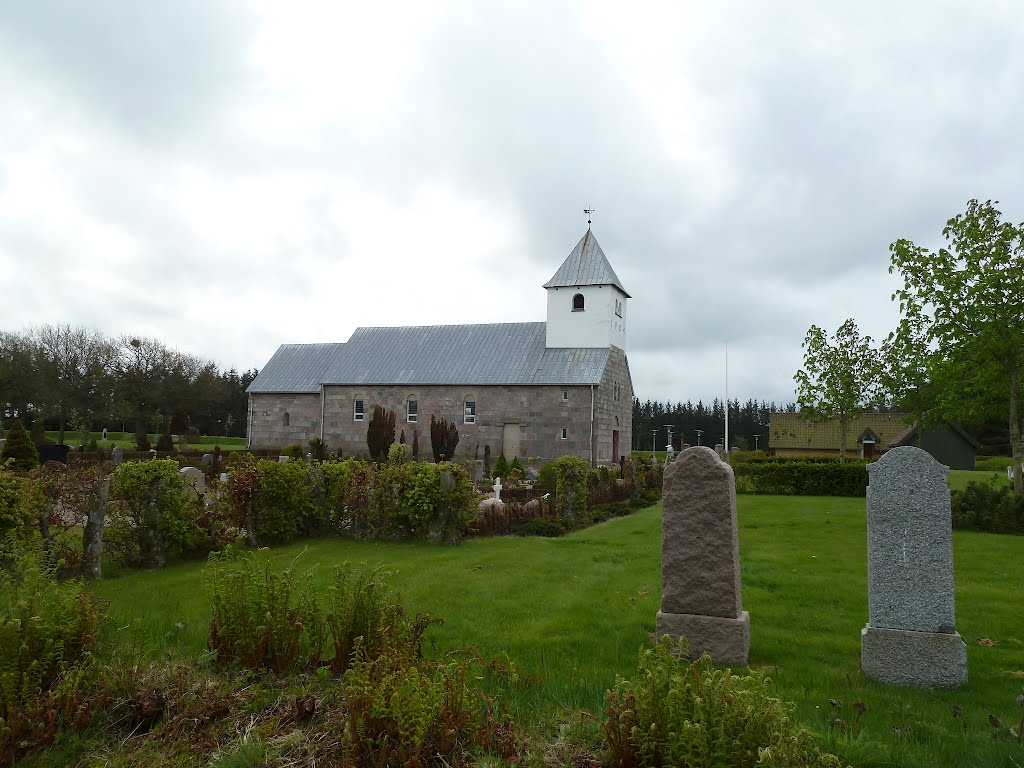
x=727 y=398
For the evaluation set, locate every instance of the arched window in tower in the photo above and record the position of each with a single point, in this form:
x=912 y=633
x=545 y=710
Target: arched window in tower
x=287 y=419
x=577 y=302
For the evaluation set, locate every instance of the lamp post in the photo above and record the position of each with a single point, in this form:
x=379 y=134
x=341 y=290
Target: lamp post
x=699 y=433
x=654 y=441
x=755 y=441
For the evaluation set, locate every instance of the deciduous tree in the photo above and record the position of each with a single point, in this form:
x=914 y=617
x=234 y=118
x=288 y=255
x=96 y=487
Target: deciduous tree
x=966 y=301
x=839 y=378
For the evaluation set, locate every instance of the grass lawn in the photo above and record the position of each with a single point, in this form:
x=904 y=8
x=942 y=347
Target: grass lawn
x=127 y=440
x=571 y=613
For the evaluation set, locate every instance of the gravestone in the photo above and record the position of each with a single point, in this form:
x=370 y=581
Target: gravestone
x=207 y=459
x=700 y=558
x=492 y=505
x=117 y=454
x=195 y=477
x=910 y=638
x=478 y=470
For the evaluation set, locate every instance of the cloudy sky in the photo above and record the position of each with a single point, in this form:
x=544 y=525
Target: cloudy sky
x=230 y=176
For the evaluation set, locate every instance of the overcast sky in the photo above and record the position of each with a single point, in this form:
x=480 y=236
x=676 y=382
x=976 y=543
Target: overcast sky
x=231 y=176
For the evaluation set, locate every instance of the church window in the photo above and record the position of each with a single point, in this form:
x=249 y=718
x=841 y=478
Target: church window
x=577 y=302
x=358 y=411
x=412 y=411
x=469 y=414
x=618 y=308
x=565 y=394
x=287 y=418
x=565 y=433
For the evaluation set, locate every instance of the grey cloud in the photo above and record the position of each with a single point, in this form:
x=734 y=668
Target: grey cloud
x=154 y=69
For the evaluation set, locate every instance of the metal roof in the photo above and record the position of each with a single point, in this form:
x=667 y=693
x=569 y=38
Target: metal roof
x=296 y=368
x=491 y=354
x=586 y=265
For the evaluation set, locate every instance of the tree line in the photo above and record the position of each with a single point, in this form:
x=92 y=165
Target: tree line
x=74 y=379
x=702 y=424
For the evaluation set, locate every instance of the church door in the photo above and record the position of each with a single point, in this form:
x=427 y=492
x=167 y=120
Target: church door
x=510 y=440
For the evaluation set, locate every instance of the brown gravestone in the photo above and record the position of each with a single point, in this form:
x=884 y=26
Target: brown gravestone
x=700 y=558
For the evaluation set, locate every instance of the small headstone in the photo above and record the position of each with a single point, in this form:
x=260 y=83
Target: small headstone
x=117 y=454
x=492 y=505
x=910 y=638
x=195 y=477
x=104 y=433
x=207 y=459
x=532 y=507
x=152 y=453
x=478 y=470
x=700 y=558
x=532 y=475
x=282 y=459
x=223 y=477
x=497 y=488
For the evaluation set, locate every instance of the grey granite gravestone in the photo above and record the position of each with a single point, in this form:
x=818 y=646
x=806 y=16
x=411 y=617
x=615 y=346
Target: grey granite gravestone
x=700 y=558
x=117 y=454
x=194 y=477
x=910 y=638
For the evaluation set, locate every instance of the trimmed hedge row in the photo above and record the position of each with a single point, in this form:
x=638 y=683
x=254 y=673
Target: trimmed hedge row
x=802 y=478
x=981 y=507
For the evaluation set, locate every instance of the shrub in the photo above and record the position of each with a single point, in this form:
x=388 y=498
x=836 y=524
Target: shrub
x=283 y=503
x=425 y=501
x=541 y=526
x=411 y=712
x=165 y=442
x=380 y=433
x=570 y=486
x=293 y=451
x=444 y=439
x=803 y=478
x=21 y=503
x=141 y=439
x=993 y=463
x=682 y=713
x=982 y=507
x=501 y=468
x=152 y=514
x=258 y=614
x=39 y=436
x=47 y=632
x=20 y=449
x=318 y=448
x=362 y=614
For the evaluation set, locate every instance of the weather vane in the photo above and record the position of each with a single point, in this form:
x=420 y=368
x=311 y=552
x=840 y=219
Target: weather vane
x=589 y=211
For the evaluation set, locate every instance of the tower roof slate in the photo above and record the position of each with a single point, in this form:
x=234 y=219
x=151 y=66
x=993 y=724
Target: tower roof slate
x=586 y=265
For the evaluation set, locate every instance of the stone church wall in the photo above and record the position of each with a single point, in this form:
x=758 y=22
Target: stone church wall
x=532 y=416
x=277 y=420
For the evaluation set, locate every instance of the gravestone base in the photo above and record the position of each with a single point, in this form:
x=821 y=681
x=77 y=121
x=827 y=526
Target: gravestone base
x=913 y=659
x=726 y=641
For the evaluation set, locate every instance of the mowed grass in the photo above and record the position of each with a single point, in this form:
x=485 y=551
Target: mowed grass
x=572 y=613
x=127 y=440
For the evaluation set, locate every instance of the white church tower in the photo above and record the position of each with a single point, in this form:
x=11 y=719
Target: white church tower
x=586 y=300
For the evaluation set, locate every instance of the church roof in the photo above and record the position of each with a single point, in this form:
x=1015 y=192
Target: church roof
x=586 y=265
x=489 y=354
x=296 y=368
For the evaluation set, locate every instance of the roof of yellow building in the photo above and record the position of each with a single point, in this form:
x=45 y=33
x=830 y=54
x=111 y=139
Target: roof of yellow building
x=793 y=431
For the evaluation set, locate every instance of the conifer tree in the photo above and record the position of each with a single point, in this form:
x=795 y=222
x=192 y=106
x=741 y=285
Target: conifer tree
x=19 y=446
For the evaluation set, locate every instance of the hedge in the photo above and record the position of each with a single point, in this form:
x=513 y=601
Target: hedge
x=802 y=478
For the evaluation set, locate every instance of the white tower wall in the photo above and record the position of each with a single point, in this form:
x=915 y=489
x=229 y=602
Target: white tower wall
x=601 y=322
